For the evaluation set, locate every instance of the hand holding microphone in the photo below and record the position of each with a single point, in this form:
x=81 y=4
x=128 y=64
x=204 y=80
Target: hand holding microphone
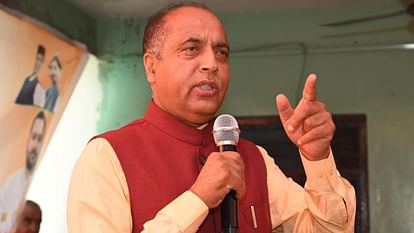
x=223 y=172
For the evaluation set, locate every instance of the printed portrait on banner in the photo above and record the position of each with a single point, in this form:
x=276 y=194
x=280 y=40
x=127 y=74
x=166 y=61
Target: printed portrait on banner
x=39 y=69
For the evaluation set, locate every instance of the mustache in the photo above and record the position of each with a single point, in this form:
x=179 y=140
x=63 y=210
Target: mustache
x=32 y=153
x=31 y=159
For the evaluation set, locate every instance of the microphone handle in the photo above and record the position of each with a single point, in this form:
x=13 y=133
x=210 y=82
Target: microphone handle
x=229 y=208
x=229 y=213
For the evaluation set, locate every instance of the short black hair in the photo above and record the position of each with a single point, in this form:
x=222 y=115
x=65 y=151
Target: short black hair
x=41 y=116
x=56 y=58
x=41 y=50
x=155 y=33
x=32 y=203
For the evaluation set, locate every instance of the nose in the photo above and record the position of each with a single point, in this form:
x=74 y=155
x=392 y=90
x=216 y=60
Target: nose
x=208 y=61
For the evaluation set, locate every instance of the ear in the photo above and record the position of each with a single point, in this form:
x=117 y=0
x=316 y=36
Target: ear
x=150 y=62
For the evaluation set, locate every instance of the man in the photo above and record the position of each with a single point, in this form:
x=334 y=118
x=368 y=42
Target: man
x=149 y=176
x=31 y=89
x=30 y=218
x=14 y=190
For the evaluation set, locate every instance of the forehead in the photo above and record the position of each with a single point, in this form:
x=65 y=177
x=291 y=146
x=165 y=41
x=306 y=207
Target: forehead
x=192 y=21
x=53 y=62
x=38 y=125
x=32 y=212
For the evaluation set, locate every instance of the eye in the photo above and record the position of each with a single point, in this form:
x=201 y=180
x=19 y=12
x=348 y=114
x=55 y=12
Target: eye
x=222 y=54
x=191 y=49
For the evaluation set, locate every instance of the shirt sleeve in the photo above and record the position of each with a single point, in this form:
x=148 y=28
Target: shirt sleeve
x=185 y=214
x=99 y=198
x=326 y=204
x=11 y=199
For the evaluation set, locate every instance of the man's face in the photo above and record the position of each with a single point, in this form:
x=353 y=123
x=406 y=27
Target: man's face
x=29 y=221
x=39 y=62
x=190 y=80
x=35 y=143
x=54 y=70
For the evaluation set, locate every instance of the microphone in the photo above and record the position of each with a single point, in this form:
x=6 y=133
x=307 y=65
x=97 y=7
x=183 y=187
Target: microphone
x=226 y=136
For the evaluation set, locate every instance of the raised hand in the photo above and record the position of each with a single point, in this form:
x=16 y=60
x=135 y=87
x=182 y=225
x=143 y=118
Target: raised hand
x=309 y=126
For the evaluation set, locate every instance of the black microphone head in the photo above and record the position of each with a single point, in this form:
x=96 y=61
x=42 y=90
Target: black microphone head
x=226 y=130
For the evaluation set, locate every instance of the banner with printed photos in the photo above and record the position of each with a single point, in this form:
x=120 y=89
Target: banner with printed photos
x=39 y=69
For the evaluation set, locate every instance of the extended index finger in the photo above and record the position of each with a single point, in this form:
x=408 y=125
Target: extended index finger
x=309 y=91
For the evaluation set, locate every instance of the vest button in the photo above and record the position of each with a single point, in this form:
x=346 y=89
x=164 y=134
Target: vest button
x=202 y=159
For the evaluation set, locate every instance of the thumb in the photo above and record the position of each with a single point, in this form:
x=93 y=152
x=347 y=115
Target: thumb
x=283 y=107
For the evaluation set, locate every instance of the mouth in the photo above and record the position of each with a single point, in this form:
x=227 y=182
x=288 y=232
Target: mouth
x=206 y=88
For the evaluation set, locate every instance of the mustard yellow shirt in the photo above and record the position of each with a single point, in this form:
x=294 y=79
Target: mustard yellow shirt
x=99 y=198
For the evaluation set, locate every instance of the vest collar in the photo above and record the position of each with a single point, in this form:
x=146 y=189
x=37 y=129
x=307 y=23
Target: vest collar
x=170 y=125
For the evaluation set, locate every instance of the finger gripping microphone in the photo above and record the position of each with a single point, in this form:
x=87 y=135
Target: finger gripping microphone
x=226 y=135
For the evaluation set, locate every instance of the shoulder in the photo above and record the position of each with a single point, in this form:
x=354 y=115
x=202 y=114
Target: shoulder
x=126 y=130
x=13 y=181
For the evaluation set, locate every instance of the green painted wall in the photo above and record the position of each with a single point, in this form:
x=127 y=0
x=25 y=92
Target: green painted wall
x=121 y=72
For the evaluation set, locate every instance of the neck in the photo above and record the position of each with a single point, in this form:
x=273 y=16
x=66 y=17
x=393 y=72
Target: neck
x=28 y=172
x=185 y=121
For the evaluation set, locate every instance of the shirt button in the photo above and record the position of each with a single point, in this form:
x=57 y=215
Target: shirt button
x=202 y=159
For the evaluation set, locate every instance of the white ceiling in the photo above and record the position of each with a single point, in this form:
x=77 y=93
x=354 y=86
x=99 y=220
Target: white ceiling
x=143 y=8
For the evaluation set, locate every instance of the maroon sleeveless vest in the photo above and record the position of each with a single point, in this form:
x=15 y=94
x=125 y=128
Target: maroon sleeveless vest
x=162 y=157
